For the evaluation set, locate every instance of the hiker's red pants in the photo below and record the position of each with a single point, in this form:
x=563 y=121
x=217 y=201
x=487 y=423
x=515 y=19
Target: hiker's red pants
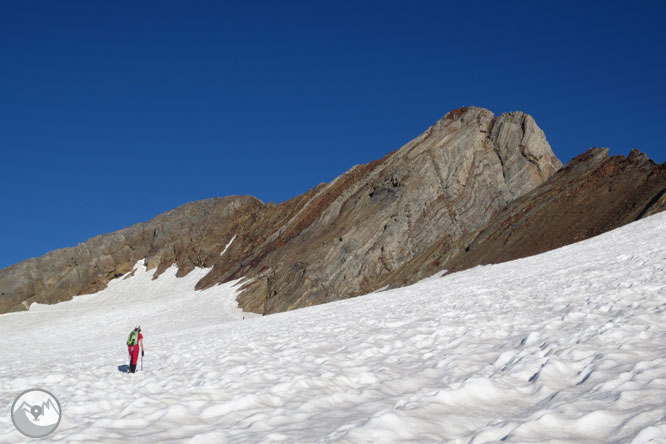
x=134 y=353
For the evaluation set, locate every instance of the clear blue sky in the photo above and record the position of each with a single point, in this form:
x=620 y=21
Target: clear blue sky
x=114 y=112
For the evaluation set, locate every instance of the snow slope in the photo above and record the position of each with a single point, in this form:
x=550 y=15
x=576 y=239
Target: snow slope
x=568 y=346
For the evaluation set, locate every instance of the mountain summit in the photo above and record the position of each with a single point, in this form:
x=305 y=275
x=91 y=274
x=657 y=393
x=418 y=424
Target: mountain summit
x=418 y=210
x=348 y=237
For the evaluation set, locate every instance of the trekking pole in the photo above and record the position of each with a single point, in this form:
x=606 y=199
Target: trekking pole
x=142 y=361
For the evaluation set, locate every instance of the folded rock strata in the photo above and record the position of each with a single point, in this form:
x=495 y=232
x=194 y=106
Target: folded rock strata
x=474 y=188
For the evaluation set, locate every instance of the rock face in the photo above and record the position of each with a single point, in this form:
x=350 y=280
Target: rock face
x=352 y=236
x=473 y=189
x=190 y=236
x=592 y=194
x=338 y=240
x=532 y=162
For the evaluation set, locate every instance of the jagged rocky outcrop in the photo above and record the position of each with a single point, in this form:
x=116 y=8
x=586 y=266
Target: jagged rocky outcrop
x=592 y=194
x=357 y=231
x=336 y=241
x=190 y=236
x=474 y=188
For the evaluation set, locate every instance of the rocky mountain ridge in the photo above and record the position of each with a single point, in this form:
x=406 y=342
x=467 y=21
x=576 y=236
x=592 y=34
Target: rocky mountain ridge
x=594 y=193
x=435 y=203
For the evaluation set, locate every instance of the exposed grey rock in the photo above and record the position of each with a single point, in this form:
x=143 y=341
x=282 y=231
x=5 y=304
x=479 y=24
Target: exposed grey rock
x=532 y=161
x=338 y=240
x=592 y=194
x=189 y=235
x=446 y=183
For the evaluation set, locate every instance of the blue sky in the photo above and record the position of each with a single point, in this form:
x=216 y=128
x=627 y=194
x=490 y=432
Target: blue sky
x=114 y=112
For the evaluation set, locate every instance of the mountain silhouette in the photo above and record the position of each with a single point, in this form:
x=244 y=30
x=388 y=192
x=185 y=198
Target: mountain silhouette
x=23 y=422
x=44 y=406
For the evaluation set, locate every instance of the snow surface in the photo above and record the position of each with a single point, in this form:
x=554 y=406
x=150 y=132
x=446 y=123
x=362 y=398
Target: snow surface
x=568 y=346
x=228 y=245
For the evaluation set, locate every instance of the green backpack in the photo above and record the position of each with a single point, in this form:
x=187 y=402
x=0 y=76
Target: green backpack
x=133 y=337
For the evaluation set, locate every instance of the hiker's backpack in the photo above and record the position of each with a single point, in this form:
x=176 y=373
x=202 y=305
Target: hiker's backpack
x=133 y=337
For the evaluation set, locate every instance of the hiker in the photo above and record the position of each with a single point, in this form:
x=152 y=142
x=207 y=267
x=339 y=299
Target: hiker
x=135 y=339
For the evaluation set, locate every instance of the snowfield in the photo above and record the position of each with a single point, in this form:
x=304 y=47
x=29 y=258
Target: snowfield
x=568 y=346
